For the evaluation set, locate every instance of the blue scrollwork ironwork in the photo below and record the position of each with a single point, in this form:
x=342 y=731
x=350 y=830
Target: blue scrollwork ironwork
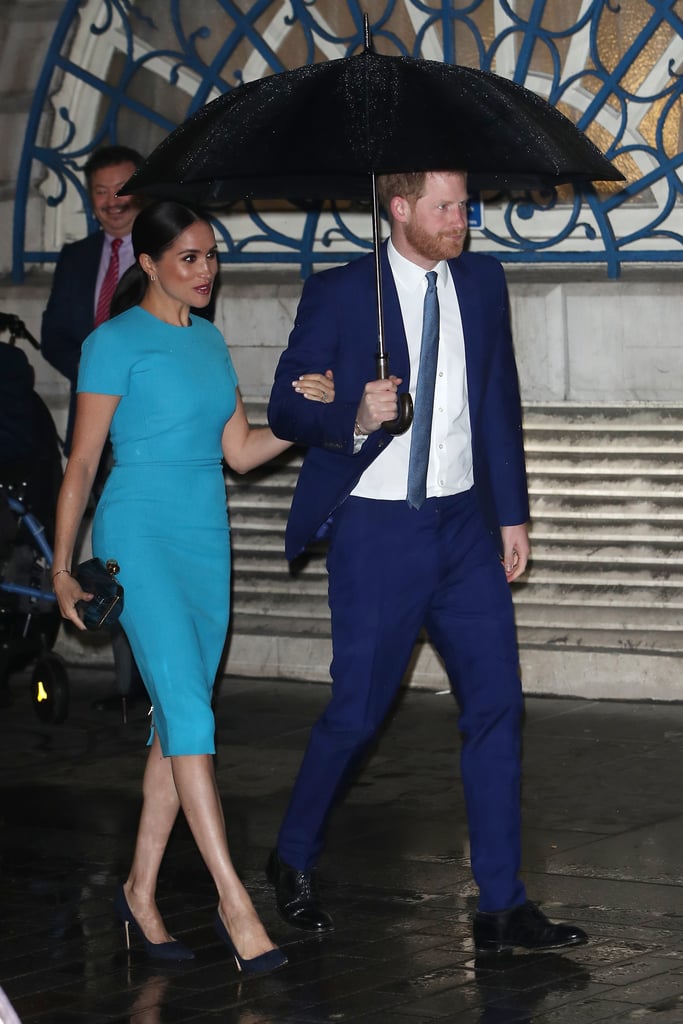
x=613 y=68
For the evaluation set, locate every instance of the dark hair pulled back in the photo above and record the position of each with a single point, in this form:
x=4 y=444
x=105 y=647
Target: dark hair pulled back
x=155 y=229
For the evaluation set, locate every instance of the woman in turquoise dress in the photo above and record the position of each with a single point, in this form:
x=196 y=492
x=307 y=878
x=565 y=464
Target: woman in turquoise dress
x=162 y=383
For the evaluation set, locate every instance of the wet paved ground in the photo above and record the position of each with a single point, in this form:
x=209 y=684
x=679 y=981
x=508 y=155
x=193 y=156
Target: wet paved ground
x=603 y=841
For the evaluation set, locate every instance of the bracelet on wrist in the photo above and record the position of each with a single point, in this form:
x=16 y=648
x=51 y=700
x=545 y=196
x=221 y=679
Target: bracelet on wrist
x=358 y=430
x=59 y=573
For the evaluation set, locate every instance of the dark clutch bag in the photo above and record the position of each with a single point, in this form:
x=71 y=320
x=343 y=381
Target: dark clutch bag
x=106 y=605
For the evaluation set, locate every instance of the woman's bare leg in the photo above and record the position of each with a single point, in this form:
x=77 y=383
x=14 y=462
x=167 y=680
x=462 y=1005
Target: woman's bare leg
x=160 y=805
x=195 y=782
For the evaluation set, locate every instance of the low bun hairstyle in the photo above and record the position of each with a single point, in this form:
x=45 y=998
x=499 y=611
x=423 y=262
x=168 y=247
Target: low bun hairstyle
x=155 y=229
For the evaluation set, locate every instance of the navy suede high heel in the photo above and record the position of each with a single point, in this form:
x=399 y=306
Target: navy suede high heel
x=155 y=950
x=262 y=964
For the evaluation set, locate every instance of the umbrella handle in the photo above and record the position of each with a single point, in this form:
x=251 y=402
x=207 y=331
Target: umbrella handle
x=404 y=418
x=405 y=402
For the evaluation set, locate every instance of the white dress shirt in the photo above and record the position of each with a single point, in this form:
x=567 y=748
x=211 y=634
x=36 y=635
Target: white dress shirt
x=450 y=458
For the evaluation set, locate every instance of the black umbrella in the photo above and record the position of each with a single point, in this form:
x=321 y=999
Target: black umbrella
x=324 y=131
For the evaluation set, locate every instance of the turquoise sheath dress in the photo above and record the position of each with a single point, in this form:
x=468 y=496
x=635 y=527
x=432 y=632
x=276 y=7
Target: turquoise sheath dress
x=163 y=513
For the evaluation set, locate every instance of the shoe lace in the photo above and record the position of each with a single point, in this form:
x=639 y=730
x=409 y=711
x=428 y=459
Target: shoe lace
x=307 y=884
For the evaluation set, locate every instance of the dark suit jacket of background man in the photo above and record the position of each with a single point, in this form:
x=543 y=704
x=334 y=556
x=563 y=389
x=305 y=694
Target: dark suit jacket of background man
x=70 y=313
x=336 y=328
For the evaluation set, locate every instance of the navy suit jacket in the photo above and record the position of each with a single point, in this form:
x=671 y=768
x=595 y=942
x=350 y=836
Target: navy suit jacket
x=336 y=328
x=70 y=313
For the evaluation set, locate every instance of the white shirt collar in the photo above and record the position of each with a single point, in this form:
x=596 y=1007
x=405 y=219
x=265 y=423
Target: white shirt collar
x=408 y=275
x=125 y=239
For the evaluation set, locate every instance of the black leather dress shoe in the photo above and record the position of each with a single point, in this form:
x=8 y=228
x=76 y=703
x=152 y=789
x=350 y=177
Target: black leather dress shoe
x=524 y=926
x=296 y=896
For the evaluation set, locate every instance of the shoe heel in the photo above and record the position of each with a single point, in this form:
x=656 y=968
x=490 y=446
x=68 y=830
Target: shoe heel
x=126 y=930
x=263 y=964
x=493 y=949
x=173 y=950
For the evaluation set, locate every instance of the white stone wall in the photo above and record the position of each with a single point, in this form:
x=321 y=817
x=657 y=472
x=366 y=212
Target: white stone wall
x=577 y=340
x=590 y=339
x=26 y=30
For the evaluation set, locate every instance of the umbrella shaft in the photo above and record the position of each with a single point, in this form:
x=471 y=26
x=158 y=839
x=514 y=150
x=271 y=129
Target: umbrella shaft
x=382 y=366
x=382 y=358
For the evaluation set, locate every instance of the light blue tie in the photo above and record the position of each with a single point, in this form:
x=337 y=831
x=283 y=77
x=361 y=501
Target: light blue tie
x=424 y=396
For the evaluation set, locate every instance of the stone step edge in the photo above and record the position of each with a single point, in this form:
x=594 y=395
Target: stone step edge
x=264 y=561
x=558 y=448
x=655 y=616
x=624 y=594
x=622 y=575
x=271 y=538
x=259 y=516
x=532 y=637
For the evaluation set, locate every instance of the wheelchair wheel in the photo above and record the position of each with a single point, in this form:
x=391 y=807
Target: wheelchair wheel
x=50 y=688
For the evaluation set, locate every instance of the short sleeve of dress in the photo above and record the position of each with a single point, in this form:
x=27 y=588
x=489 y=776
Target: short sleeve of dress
x=231 y=369
x=104 y=368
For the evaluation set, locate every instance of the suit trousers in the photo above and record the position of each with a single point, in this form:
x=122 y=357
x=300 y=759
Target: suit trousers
x=392 y=571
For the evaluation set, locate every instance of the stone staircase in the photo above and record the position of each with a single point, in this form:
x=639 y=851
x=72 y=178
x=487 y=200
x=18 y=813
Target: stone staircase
x=607 y=510
x=601 y=610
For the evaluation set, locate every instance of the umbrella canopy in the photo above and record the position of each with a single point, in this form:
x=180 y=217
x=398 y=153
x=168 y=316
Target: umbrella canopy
x=320 y=131
x=325 y=131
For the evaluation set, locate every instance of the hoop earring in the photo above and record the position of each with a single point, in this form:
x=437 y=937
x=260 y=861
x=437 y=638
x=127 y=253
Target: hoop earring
x=152 y=277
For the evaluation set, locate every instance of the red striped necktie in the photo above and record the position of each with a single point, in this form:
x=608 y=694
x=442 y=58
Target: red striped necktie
x=111 y=279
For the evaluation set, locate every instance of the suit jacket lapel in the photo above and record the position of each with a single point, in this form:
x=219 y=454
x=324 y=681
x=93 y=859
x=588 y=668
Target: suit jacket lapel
x=470 y=315
x=91 y=268
x=395 y=340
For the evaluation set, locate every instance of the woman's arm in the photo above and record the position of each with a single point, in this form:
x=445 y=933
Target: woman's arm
x=246 y=447
x=93 y=419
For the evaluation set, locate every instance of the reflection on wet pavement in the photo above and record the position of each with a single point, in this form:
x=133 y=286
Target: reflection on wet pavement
x=603 y=835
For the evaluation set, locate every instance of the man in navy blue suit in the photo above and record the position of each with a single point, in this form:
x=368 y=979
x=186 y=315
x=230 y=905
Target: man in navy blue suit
x=408 y=551
x=81 y=268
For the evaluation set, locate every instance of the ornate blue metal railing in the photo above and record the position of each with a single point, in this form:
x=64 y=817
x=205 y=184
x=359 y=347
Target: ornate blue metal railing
x=124 y=71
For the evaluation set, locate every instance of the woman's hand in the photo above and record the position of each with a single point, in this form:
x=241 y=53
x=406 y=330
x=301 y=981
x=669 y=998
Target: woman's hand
x=68 y=592
x=317 y=387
